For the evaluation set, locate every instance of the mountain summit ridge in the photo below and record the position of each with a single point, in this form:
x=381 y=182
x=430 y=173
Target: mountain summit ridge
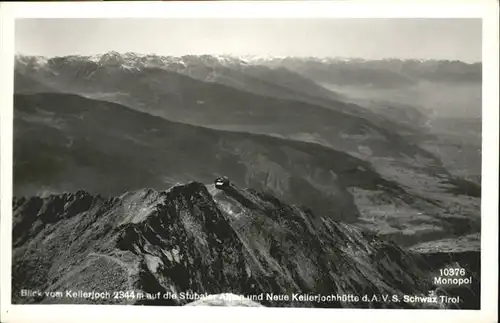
x=196 y=239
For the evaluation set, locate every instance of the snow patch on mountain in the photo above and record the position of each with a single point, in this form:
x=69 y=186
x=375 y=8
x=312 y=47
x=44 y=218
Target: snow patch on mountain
x=133 y=60
x=226 y=299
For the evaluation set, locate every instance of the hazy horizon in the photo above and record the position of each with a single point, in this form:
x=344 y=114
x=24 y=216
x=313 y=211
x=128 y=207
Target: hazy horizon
x=370 y=38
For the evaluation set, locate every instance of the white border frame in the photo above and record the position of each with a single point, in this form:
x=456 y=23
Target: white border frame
x=487 y=10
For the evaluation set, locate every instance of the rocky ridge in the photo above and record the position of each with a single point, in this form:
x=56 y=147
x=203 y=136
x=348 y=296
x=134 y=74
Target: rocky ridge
x=194 y=239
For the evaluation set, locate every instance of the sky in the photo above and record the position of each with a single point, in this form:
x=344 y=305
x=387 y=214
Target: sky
x=369 y=38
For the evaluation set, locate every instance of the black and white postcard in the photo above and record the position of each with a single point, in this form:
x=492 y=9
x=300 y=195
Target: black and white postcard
x=321 y=162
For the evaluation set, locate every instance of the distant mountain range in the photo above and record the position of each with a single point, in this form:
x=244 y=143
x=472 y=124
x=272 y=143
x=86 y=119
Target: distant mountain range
x=323 y=70
x=379 y=73
x=224 y=94
x=340 y=163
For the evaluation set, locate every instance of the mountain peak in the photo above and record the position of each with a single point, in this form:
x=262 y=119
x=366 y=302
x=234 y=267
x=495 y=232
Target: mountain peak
x=111 y=57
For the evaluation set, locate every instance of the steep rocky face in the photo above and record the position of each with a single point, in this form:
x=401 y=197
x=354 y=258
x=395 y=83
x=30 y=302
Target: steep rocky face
x=196 y=239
